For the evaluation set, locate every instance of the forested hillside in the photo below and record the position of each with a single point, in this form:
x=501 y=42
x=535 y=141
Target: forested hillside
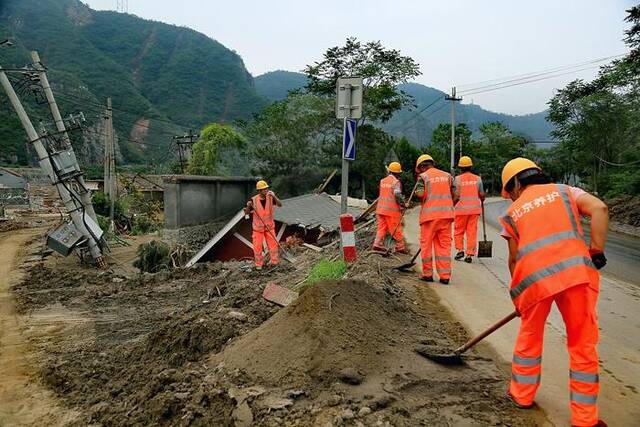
x=419 y=127
x=163 y=79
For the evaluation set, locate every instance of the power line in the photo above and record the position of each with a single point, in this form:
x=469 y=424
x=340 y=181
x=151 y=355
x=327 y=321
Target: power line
x=528 y=81
x=417 y=114
x=502 y=80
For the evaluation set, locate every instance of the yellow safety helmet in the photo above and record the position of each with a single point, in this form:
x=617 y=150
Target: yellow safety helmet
x=394 y=167
x=423 y=158
x=261 y=185
x=513 y=168
x=465 y=162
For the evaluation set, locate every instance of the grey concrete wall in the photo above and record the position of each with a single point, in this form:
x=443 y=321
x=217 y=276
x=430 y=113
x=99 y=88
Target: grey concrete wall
x=195 y=200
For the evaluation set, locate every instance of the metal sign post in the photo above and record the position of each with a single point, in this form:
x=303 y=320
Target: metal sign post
x=348 y=107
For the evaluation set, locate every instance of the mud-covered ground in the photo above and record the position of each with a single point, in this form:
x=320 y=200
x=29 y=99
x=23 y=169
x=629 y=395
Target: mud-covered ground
x=202 y=347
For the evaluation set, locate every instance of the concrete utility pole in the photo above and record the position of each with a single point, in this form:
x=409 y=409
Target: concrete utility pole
x=71 y=201
x=453 y=100
x=110 y=178
x=83 y=191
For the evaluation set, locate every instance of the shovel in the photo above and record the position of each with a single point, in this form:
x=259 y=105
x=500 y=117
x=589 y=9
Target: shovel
x=455 y=357
x=406 y=267
x=402 y=216
x=485 y=246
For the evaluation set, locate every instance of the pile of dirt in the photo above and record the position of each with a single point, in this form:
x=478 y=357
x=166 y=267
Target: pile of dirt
x=625 y=209
x=346 y=349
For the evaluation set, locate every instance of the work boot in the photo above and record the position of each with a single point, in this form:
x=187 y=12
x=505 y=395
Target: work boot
x=258 y=267
x=511 y=399
x=444 y=281
x=402 y=251
x=468 y=259
x=427 y=278
x=379 y=249
x=459 y=256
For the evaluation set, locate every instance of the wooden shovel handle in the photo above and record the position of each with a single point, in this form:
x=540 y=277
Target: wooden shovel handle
x=484 y=225
x=486 y=333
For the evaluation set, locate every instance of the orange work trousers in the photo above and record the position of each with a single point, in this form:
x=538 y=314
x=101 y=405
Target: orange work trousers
x=578 y=308
x=388 y=225
x=435 y=236
x=466 y=224
x=259 y=238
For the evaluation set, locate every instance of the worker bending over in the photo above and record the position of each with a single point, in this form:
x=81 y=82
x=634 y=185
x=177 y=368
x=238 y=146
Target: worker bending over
x=435 y=189
x=262 y=206
x=550 y=262
x=389 y=210
x=470 y=193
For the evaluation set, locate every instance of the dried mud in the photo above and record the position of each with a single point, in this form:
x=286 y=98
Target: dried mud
x=201 y=347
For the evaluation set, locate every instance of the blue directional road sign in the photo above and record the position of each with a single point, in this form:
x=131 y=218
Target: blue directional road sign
x=349 y=140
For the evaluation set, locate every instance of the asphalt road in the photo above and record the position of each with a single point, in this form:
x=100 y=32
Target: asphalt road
x=622 y=251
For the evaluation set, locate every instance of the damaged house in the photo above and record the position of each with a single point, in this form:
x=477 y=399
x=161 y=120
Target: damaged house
x=314 y=218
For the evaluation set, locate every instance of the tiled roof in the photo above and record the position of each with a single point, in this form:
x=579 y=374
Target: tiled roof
x=311 y=211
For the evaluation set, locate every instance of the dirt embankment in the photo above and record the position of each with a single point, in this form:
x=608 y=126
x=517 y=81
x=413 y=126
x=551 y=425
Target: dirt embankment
x=201 y=347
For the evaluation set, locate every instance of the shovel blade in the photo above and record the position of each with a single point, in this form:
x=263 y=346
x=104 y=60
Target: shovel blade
x=279 y=294
x=438 y=355
x=405 y=267
x=485 y=249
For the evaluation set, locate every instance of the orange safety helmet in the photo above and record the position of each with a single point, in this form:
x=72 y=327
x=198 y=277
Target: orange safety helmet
x=394 y=167
x=423 y=158
x=513 y=168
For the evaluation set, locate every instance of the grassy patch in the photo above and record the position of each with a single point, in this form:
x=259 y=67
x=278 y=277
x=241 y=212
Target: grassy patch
x=324 y=270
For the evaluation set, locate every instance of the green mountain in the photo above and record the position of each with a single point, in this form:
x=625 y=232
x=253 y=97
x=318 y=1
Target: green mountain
x=418 y=123
x=163 y=79
x=275 y=85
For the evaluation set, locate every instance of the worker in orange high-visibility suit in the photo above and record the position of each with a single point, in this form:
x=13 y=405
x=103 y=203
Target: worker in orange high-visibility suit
x=264 y=226
x=435 y=189
x=550 y=262
x=389 y=210
x=470 y=193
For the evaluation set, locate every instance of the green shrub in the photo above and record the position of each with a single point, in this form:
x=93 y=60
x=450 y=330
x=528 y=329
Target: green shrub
x=153 y=257
x=324 y=270
x=144 y=225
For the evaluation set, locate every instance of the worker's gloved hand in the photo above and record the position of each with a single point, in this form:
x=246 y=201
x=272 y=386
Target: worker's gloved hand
x=598 y=258
x=271 y=193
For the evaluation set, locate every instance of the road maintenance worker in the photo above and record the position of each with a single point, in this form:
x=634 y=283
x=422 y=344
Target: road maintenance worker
x=550 y=262
x=264 y=227
x=470 y=193
x=389 y=210
x=435 y=189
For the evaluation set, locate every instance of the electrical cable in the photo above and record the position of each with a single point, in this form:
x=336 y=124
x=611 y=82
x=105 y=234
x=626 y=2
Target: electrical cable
x=502 y=80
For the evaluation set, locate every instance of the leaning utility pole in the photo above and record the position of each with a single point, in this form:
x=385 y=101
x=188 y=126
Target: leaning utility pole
x=83 y=191
x=61 y=170
x=453 y=100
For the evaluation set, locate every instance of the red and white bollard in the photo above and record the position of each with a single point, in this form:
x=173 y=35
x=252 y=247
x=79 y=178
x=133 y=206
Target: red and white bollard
x=348 y=238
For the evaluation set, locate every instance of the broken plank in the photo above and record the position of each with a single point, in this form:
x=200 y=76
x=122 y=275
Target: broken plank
x=312 y=247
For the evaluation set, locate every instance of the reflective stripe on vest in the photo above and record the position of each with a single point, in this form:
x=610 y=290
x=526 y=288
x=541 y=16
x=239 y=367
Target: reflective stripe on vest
x=437 y=203
x=387 y=203
x=265 y=213
x=549 y=212
x=468 y=195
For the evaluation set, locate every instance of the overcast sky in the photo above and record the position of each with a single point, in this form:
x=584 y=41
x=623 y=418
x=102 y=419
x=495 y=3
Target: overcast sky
x=456 y=42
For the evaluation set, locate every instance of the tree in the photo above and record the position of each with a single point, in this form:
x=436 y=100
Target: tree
x=288 y=139
x=440 y=148
x=206 y=151
x=382 y=70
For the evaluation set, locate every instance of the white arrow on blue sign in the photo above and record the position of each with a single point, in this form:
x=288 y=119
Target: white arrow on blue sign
x=349 y=140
